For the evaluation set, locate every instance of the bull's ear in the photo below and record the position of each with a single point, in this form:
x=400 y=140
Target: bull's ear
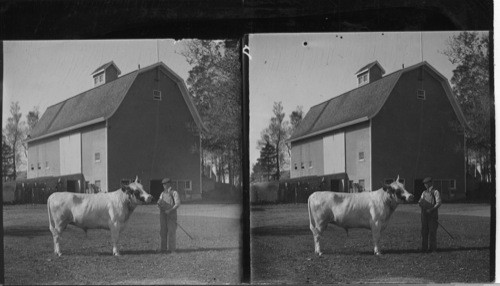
x=124 y=188
x=387 y=188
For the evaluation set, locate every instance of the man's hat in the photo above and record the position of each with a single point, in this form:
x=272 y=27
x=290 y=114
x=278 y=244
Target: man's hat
x=166 y=180
x=427 y=180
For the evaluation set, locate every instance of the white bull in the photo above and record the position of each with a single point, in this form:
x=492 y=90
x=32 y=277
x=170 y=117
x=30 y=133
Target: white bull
x=94 y=211
x=370 y=210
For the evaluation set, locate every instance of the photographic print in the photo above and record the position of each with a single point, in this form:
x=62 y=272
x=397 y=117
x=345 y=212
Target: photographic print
x=122 y=162
x=369 y=157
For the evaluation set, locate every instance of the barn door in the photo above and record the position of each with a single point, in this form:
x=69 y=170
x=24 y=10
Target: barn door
x=156 y=188
x=418 y=188
x=70 y=156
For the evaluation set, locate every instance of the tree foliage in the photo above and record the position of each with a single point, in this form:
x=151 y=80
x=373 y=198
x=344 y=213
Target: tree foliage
x=8 y=167
x=265 y=168
x=31 y=119
x=276 y=134
x=15 y=133
x=469 y=51
x=214 y=83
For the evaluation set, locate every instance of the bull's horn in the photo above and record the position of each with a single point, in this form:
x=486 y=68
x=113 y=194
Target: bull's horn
x=137 y=177
x=397 y=180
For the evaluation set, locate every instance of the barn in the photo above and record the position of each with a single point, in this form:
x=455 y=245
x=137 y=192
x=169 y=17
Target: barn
x=139 y=124
x=406 y=123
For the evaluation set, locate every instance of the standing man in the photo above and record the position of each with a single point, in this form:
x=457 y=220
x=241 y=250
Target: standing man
x=168 y=204
x=429 y=203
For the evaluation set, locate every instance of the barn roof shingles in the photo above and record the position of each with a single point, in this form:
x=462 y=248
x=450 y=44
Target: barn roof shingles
x=99 y=102
x=364 y=101
x=96 y=104
x=361 y=104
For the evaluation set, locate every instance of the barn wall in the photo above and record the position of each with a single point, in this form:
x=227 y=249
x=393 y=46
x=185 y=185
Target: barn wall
x=418 y=138
x=307 y=157
x=46 y=153
x=154 y=139
x=357 y=139
x=94 y=141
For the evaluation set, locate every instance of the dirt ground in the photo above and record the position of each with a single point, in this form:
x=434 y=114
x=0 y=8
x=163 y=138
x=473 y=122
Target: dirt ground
x=212 y=257
x=282 y=248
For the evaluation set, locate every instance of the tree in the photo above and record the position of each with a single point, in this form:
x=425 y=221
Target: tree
x=276 y=134
x=295 y=119
x=469 y=51
x=14 y=134
x=31 y=119
x=267 y=162
x=215 y=86
x=8 y=168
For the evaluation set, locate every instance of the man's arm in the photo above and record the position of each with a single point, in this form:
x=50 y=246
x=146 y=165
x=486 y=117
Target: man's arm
x=177 y=201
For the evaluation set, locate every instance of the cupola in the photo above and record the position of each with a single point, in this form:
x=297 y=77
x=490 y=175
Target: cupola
x=105 y=73
x=370 y=73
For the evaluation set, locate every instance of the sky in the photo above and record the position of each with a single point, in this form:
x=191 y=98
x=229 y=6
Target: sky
x=43 y=73
x=307 y=69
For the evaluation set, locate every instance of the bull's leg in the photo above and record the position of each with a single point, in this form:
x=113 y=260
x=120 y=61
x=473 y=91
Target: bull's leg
x=376 y=237
x=317 y=231
x=56 y=235
x=115 y=234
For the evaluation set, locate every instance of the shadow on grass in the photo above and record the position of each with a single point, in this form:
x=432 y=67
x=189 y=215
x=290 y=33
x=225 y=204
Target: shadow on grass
x=153 y=251
x=280 y=231
x=406 y=251
x=25 y=231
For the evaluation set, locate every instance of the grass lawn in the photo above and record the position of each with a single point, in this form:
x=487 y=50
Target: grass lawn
x=213 y=256
x=283 y=250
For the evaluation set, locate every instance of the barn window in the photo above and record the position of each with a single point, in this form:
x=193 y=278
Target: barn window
x=187 y=185
x=302 y=165
x=310 y=164
x=46 y=164
x=32 y=167
x=363 y=79
x=157 y=95
x=97 y=157
x=421 y=94
x=39 y=166
x=453 y=184
x=361 y=156
x=295 y=166
x=99 y=79
x=351 y=186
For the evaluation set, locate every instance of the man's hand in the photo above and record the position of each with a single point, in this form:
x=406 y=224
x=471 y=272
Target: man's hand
x=167 y=212
x=429 y=210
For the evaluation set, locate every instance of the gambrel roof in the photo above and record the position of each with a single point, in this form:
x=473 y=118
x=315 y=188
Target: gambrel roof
x=98 y=104
x=362 y=104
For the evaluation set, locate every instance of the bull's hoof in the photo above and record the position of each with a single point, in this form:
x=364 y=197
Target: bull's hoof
x=319 y=253
x=58 y=253
x=116 y=254
x=378 y=253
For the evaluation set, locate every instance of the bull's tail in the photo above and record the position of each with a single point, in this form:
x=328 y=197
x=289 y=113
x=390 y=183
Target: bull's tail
x=312 y=223
x=51 y=220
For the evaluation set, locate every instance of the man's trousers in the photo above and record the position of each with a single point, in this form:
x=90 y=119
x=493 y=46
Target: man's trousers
x=168 y=228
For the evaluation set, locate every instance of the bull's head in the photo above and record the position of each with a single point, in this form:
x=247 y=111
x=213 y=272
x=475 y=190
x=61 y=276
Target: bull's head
x=137 y=193
x=398 y=190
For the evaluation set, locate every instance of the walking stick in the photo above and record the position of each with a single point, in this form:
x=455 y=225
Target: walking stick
x=184 y=230
x=445 y=229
